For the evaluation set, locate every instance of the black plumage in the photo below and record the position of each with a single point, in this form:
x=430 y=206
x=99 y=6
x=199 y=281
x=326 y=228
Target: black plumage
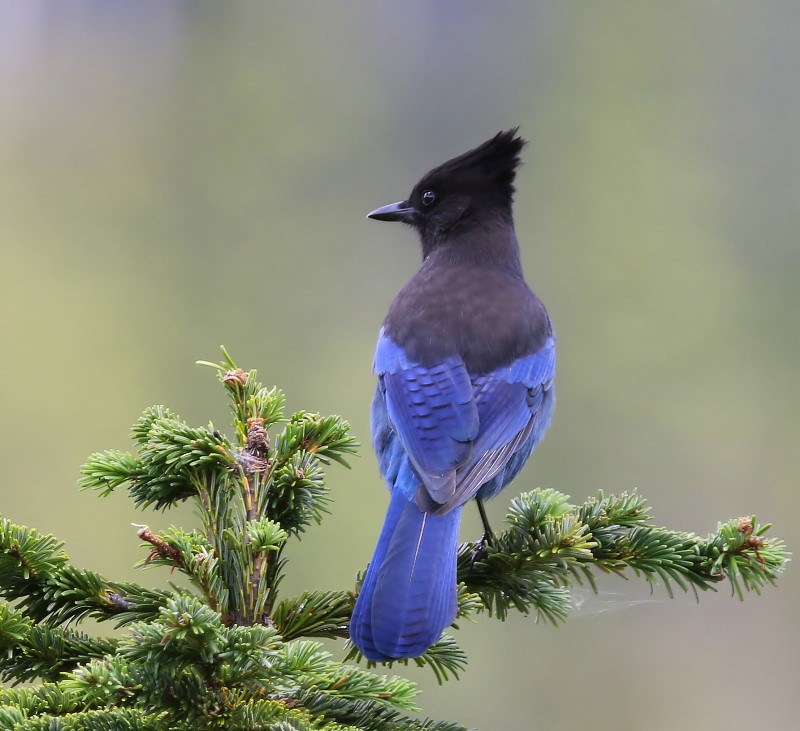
x=469 y=297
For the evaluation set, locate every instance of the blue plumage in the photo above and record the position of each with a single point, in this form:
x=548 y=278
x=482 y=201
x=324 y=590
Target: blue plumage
x=408 y=596
x=465 y=365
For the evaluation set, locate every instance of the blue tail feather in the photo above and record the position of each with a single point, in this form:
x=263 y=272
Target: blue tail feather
x=409 y=593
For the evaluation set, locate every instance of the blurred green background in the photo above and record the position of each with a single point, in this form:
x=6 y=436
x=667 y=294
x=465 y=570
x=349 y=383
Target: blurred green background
x=176 y=175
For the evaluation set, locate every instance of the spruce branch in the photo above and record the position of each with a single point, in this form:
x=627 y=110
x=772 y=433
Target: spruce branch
x=36 y=573
x=551 y=545
x=230 y=651
x=314 y=614
x=40 y=651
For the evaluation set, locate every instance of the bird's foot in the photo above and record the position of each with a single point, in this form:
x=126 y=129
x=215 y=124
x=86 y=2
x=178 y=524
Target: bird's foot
x=481 y=549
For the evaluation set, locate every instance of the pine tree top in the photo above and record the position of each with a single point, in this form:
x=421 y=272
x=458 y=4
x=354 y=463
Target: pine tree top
x=232 y=652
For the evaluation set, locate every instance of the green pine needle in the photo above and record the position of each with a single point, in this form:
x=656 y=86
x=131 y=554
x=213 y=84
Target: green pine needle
x=230 y=652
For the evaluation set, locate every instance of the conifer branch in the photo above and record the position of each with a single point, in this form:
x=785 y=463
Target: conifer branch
x=314 y=614
x=39 y=651
x=232 y=652
x=35 y=573
x=551 y=545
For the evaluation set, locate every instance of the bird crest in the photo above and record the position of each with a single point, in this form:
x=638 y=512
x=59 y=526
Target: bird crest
x=491 y=166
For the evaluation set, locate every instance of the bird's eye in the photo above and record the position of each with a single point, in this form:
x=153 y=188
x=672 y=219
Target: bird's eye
x=428 y=197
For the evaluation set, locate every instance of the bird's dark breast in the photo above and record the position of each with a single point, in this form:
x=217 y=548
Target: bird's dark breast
x=486 y=316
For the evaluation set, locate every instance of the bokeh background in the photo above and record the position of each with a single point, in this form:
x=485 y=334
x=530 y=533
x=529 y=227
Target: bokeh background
x=177 y=175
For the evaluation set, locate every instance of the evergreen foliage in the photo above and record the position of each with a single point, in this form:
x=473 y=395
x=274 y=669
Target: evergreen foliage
x=232 y=654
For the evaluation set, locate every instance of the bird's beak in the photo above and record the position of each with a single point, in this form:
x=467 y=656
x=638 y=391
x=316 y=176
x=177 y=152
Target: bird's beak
x=400 y=211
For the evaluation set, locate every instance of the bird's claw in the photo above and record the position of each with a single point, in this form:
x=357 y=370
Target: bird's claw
x=481 y=549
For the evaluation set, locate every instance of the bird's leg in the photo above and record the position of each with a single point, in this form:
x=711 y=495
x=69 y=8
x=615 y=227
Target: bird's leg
x=487 y=539
x=488 y=533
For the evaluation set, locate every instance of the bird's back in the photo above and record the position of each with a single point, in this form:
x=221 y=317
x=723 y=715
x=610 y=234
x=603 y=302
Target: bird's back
x=486 y=316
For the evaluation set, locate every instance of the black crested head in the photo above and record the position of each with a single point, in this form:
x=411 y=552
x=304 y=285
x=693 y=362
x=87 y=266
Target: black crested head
x=488 y=170
x=462 y=192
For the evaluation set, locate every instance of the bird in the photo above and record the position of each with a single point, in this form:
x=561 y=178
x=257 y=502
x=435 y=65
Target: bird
x=465 y=363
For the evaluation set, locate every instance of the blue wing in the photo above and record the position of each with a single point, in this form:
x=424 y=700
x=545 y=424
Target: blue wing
x=434 y=412
x=460 y=434
x=515 y=404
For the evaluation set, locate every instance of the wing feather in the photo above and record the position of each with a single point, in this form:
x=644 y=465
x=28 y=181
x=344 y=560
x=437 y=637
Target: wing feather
x=461 y=432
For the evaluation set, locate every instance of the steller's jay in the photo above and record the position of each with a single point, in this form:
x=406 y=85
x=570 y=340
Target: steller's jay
x=465 y=363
